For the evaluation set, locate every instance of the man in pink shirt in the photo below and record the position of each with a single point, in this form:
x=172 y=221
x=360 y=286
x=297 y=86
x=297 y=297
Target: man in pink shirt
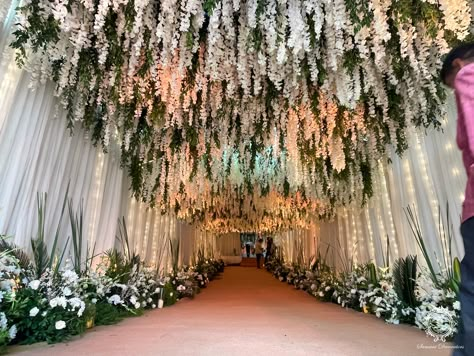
x=458 y=73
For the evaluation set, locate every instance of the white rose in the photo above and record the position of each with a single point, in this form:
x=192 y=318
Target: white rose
x=115 y=299
x=53 y=303
x=34 y=312
x=34 y=284
x=67 y=291
x=12 y=332
x=60 y=325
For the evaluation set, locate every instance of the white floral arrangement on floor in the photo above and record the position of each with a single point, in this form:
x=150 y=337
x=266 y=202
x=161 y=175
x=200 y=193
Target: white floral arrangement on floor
x=61 y=303
x=437 y=309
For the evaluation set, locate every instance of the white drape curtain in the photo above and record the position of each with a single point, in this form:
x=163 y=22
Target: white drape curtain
x=429 y=176
x=298 y=246
x=229 y=244
x=38 y=154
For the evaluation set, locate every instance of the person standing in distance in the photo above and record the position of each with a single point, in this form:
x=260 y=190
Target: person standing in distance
x=259 y=251
x=458 y=73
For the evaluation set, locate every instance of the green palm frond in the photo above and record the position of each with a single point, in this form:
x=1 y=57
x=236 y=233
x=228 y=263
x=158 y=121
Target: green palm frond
x=13 y=250
x=404 y=278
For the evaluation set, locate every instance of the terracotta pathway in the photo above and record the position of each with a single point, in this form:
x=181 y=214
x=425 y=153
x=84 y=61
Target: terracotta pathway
x=248 y=312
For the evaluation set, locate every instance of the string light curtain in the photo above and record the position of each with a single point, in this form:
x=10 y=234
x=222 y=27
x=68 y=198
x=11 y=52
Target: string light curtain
x=429 y=177
x=298 y=246
x=38 y=154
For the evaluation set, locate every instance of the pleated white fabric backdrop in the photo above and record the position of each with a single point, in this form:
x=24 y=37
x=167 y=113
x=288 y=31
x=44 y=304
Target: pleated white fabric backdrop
x=38 y=154
x=428 y=177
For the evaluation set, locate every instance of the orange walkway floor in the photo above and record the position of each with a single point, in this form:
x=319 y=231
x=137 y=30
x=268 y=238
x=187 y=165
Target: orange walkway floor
x=248 y=312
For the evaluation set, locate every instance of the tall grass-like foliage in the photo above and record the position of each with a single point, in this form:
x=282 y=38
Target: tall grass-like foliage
x=346 y=258
x=128 y=252
x=160 y=253
x=319 y=261
x=122 y=260
x=174 y=253
x=418 y=234
x=82 y=259
x=386 y=255
x=447 y=272
x=44 y=260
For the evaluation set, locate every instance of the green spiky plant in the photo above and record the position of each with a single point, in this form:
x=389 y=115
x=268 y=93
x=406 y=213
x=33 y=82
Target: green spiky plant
x=122 y=260
x=347 y=260
x=386 y=256
x=160 y=252
x=118 y=269
x=82 y=260
x=131 y=257
x=418 y=234
x=451 y=265
x=372 y=273
x=299 y=248
x=448 y=272
x=174 y=253
x=44 y=260
x=319 y=262
x=404 y=280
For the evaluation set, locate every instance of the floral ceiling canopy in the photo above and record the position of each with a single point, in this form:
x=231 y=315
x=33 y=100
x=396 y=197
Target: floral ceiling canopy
x=245 y=115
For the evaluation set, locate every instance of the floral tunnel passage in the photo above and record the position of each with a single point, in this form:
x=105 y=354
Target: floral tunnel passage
x=147 y=147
